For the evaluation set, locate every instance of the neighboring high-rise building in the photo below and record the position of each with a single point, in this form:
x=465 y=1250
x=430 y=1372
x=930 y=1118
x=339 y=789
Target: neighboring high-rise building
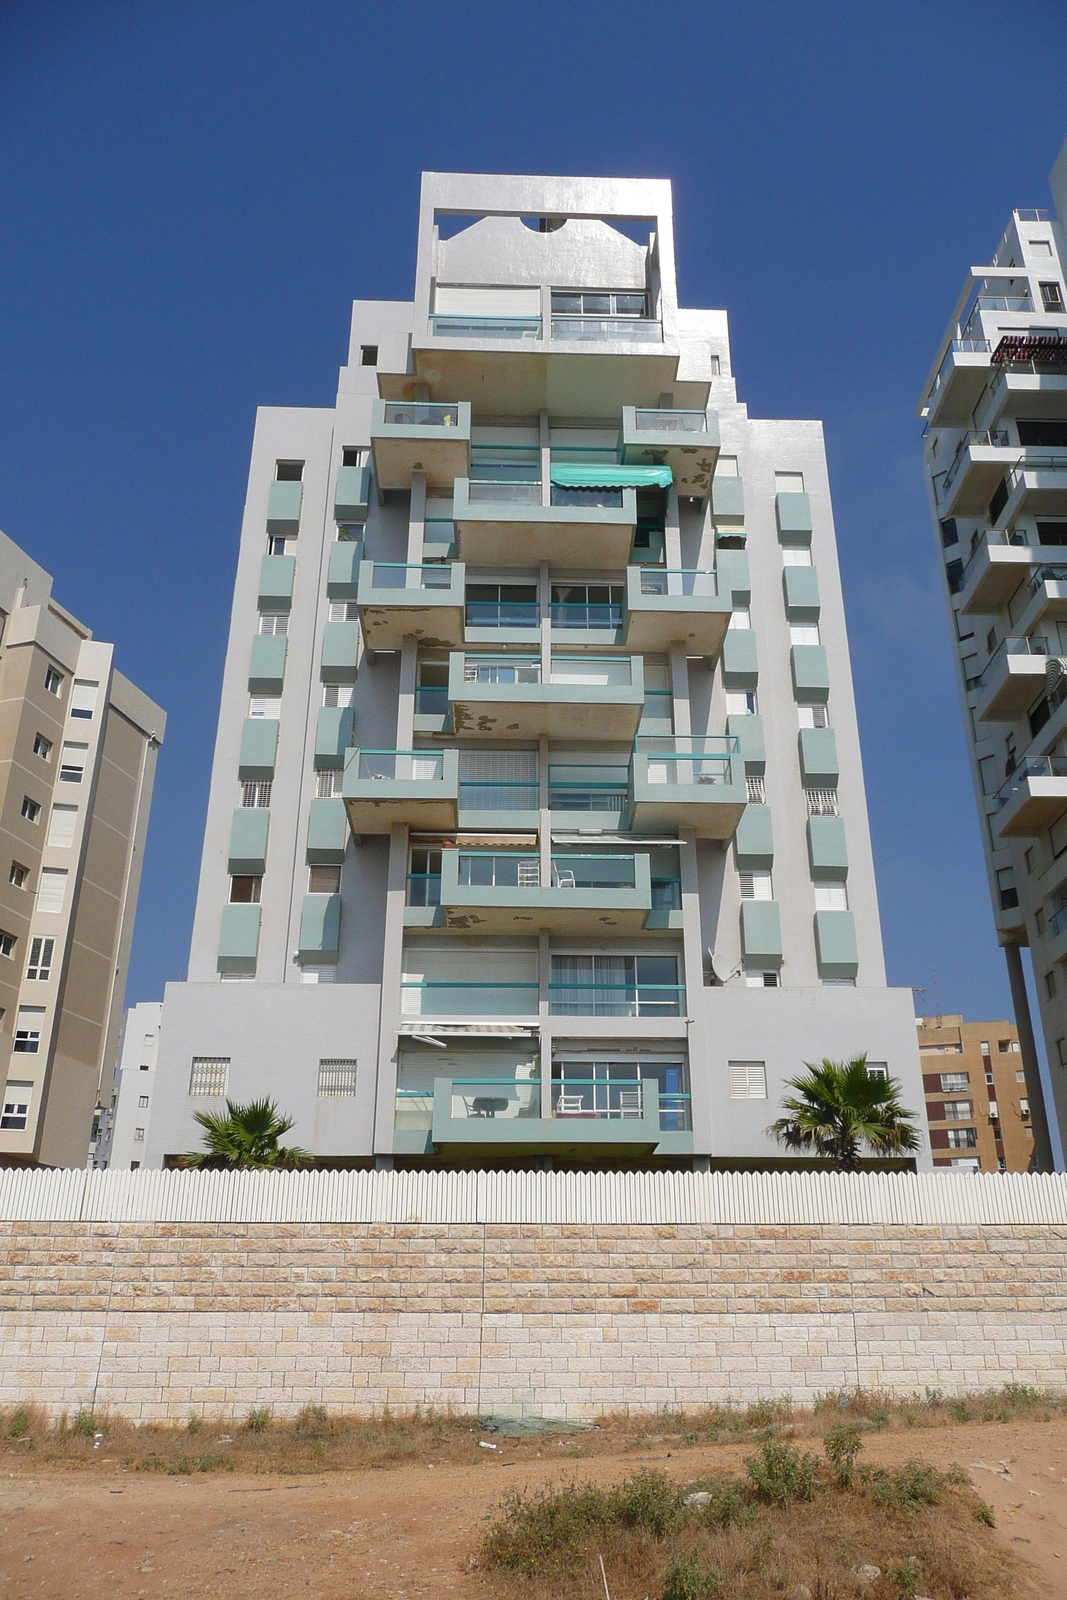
x=78 y=750
x=120 y=1125
x=995 y=454
x=977 y=1104
x=537 y=828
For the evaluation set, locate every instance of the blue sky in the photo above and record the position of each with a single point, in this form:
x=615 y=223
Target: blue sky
x=191 y=195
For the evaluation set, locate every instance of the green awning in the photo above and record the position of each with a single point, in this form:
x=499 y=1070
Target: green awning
x=611 y=477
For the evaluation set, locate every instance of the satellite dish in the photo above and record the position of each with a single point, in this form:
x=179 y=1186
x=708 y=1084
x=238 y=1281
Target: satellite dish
x=722 y=969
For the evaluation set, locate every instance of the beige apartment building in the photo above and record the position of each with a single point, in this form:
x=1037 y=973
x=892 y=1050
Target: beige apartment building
x=977 y=1105
x=78 y=746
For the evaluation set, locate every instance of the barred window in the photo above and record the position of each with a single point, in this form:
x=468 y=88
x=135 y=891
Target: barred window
x=209 y=1076
x=337 y=1078
x=748 y=1080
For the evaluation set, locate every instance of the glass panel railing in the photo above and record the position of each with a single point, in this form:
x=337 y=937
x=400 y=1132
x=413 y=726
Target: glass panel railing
x=587 y=788
x=502 y=614
x=414 y=1110
x=495 y=1098
x=671 y=421
x=995 y=437
x=497 y=795
x=681 y=759
x=498 y=492
x=1052 y=573
x=409 y=766
x=1035 y=645
x=678 y=581
x=397 y=575
x=666 y=894
x=421 y=998
x=570 y=614
x=564 y=496
x=598 y=871
x=507 y=870
x=424 y=889
x=957 y=347
x=453 y=327
x=598 y=1098
x=595 y=671
x=431 y=700
x=634 y=330
x=1034 y=463
x=421 y=414
x=1035 y=767
x=490 y=669
x=616 y=999
x=1011 y=536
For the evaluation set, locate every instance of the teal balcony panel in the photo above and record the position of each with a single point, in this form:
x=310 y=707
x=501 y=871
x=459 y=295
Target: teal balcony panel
x=276 y=576
x=761 y=934
x=238 y=938
x=283 y=507
x=248 y=841
x=801 y=586
x=811 y=676
x=818 y=758
x=835 y=944
x=827 y=851
x=342 y=577
x=351 y=500
x=563 y=709
x=320 y=928
x=333 y=736
x=615 y=909
x=522 y=533
x=416 y=787
x=422 y=602
x=327 y=833
x=663 y=607
x=685 y=441
x=748 y=731
x=793 y=514
x=259 y=749
x=495 y=1120
x=754 y=840
x=728 y=499
x=740 y=666
x=340 y=652
x=417 y=436
x=735 y=585
x=266 y=670
x=704 y=794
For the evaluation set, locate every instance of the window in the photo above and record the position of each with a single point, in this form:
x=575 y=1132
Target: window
x=615 y=986
x=274 y=622
x=31 y=809
x=1040 y=247
x=16 y=1107
x=83 y=699
x=878 y=1069
x=1039 y=921
x=368 y=355
x=138 y=1136
x=424 y=877
x=726 y=467
x=794 y=555
x=328 y=783
x=740 y=702
x=344 y=611
x=989 y=1078
x=244 y=890
x=265 y=706
x=1050 y=985
x=53 y=681
x=838 y=983
x=39 y=966
x=1003 y=1046
x=42 y=747
x=599 y=303
x=351 y=455
x=255 y=796
x=289 y=471
x=19 y=875
x=324 y=880
x=1028 y=857
x=338 y=694
x=831 y=897
x=278 y=544
x=962 y=1138
x=52 y=890
x=584 y=605
x=984 y=1047
x=144 y=1067
x=958 y=1111
x=1020 y=1076
x=748 y=1080
x=756 y=886
x=955 y=1082
x=1051 y=296
x=28 y=1025
x=72 y=762
x=318 y=974
x=61 y=827
x=813 y=716
x=949 y=533
x=142 y=1102
x=8 y=941
x=1009 y=894
x=337 y=1078
x=789 y=483
x=803 y=633
x=761 y=980
x=209 y=1076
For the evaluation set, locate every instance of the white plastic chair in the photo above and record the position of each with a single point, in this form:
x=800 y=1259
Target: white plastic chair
x=568 y=1105
x=564 y=878
x=629 y=1102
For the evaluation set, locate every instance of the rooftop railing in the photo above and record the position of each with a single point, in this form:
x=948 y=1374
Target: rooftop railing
x=421 y=414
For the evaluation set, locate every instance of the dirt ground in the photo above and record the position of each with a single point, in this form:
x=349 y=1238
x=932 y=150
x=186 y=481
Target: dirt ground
x=412 y=1531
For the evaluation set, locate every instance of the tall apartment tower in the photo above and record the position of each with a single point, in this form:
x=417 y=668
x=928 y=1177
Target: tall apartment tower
x=78 y=750
x=537 y=829
x=995 y=455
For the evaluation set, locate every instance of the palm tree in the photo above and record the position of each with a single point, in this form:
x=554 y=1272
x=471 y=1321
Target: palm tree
x=245 y=1139
x=839 y=1108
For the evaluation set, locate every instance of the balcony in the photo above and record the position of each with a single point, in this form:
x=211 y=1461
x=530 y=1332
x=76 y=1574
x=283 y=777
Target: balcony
x=501 y=893
x=972 y=476
x=1012 y=680
x=501 y=1118
x=422 y=602
x=410 y=436
x=1032 y=798
x=587 y=697
x=416 y=787
x=958 y=386
x=993 y=573
x=685 y=441
x=505 y=525
x=590 y=795
x=664 y=605
x=683 y=782
x=1036 y=485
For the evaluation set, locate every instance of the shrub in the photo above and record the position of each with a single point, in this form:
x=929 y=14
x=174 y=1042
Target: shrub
x=313 y=1420
x=259 y=1420
x=20 y=1424
x=905 y=1579
x=915 y=1484
x=984 y=1513
x=726 y=1506
x=686 y=1579
x=780 y=1474
x=843 y=1444
x=539 y=1531
x=646 y=1500
x=195 y=1423
x=879 y=1417
x=959 y=1411
x=1021 y=1394
x=84 y=1424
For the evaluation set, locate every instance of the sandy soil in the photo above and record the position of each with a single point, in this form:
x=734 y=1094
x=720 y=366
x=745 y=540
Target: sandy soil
x=411 y=1531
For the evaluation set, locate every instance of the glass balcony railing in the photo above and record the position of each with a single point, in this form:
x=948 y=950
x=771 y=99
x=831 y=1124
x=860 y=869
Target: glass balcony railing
x=578 y=999
x=586 y=788
x=996 y=437
x=671 y=421
x=493 y=669
x=993 y=302
x=504 y=870
x=502 y=614
x=1035 y=463
x=431 y=700
x=497 y=794
x=565 y=495
x=688 y=759
x=465 y=327
x=590 y=615
x=423 y=889
x=499 y=492
x=422 y=998
x=595 y=671
x=678 y=581
x=1036 y=645
x=1010 y=536
x=633 y=330
x=495 y=1098
x=406 y=766
x=421 y=414
x=957 y=347
x=1053 y=573
x=1036 y=767
x=395 y=575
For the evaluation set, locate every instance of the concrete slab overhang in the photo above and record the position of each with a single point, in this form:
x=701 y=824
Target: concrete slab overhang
x=1015 y=685
x=396 y=602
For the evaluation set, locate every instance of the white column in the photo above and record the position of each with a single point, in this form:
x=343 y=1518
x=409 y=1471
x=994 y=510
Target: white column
x=544 y=597
x=405 y=708
x=544 y=970
x=672 y=535
x=546 y=460
x=680 y=690
x=693 y=970
x=416 y=528
x=392 y=965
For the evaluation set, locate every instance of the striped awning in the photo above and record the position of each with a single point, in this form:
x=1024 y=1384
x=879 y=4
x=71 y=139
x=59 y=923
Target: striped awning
x=611 y=477
x=464 y=1030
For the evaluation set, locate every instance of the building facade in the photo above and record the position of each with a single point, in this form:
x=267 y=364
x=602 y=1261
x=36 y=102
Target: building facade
x=977 y=1103
x=120 y=1126
x=78 y=746
x=995 y=455
x=537 y=828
